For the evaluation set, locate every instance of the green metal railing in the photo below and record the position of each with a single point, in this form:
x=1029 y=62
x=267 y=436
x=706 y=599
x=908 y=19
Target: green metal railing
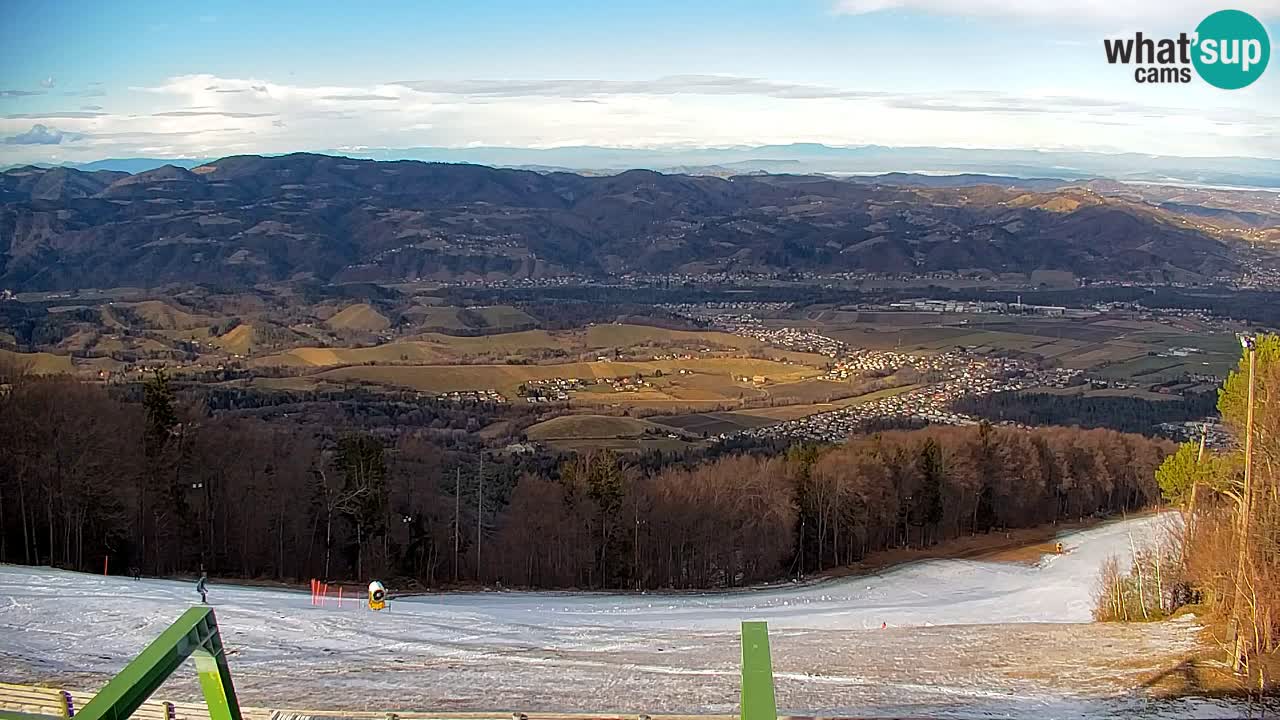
x=196 y=634
x=757 y=673
x=193 y=634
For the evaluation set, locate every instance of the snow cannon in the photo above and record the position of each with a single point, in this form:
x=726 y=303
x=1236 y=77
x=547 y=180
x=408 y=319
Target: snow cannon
x=377 y=596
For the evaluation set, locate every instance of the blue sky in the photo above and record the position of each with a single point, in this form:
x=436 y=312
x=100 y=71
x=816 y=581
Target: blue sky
x=81 y=81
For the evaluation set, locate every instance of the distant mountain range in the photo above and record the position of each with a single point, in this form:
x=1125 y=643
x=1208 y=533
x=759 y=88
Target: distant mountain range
x=809 y=158
x=127 y=165
x=250 y=219
x=870 y=159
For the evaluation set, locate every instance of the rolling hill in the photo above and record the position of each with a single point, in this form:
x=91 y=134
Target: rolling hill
x=361 y=317
x=248 y=219
x=581 y=427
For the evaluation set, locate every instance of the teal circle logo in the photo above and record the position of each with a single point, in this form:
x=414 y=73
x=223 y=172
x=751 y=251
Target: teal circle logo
x=1232 y=49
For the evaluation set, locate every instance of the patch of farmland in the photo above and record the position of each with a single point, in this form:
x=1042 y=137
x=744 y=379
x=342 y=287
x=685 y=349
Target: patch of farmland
x=1147 y=367
x=590 y=427
x=643 y=443
x=795 y=412
x=238 y=340
x=361 y=318
x=1093 y=355
x=810 y=391
x=163 y=316
x=608 y=336
x=713 y=423
x=40 y=363
x=498 y=317
x=505 y=378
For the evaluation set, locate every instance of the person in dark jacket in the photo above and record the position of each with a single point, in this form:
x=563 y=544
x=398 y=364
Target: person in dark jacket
x=202 y=587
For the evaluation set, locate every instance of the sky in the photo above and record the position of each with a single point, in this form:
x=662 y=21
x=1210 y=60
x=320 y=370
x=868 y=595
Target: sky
x=81 y=81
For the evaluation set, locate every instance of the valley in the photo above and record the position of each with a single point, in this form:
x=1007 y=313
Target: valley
x=725 y=366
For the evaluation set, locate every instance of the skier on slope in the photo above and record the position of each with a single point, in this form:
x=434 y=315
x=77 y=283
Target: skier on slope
x=202 y=587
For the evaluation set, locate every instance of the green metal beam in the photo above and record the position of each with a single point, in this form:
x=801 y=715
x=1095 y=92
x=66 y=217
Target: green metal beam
x=757 y=673
x=195 y=633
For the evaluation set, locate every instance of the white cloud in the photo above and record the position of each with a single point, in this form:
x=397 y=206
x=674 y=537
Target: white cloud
x=41 y=135
x=669 y=85
x=203 y=115
x=1080 y=12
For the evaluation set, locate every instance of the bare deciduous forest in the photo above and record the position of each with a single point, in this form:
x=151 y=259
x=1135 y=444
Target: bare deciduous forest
x=1226 y=558
x=166 y=488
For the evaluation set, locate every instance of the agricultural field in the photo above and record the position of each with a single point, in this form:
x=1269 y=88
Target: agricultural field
x=592 y=427
x=706 y=379
x=434 y=318
x=421 y=349
x=1092 y=356
x=450 y=319
x=643 y=443
x=503 y=317
x=361 y=317
x=37 y=363
x=602 y=336
x=713 y=423
x=735 y=420
x=810 y=391
x=237 y=341
x=582 y=344
x=163 y=316
x=1120 y=349
x=1150 y=369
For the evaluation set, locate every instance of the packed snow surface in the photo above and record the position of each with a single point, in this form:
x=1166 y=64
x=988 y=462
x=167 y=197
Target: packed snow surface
x=939 y=637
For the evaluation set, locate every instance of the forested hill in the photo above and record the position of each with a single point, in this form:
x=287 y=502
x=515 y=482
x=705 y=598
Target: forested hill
x=1127 y=414
x=249 y=219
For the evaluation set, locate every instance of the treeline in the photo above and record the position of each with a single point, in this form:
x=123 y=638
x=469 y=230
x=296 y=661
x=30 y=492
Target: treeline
x=168 y=488
x=1230 y=544
x=1126 y=414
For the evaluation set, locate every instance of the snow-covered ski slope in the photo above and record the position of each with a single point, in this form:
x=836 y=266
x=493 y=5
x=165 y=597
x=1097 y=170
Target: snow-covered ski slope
x=596 y=651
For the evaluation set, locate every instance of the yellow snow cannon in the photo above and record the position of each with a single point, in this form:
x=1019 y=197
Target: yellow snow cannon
x=377 y=596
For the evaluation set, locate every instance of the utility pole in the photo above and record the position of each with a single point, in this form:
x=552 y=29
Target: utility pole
x=1246 y=501
x=802 y=547
x=457 y=507
x=635 y=545
x=479 y=514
